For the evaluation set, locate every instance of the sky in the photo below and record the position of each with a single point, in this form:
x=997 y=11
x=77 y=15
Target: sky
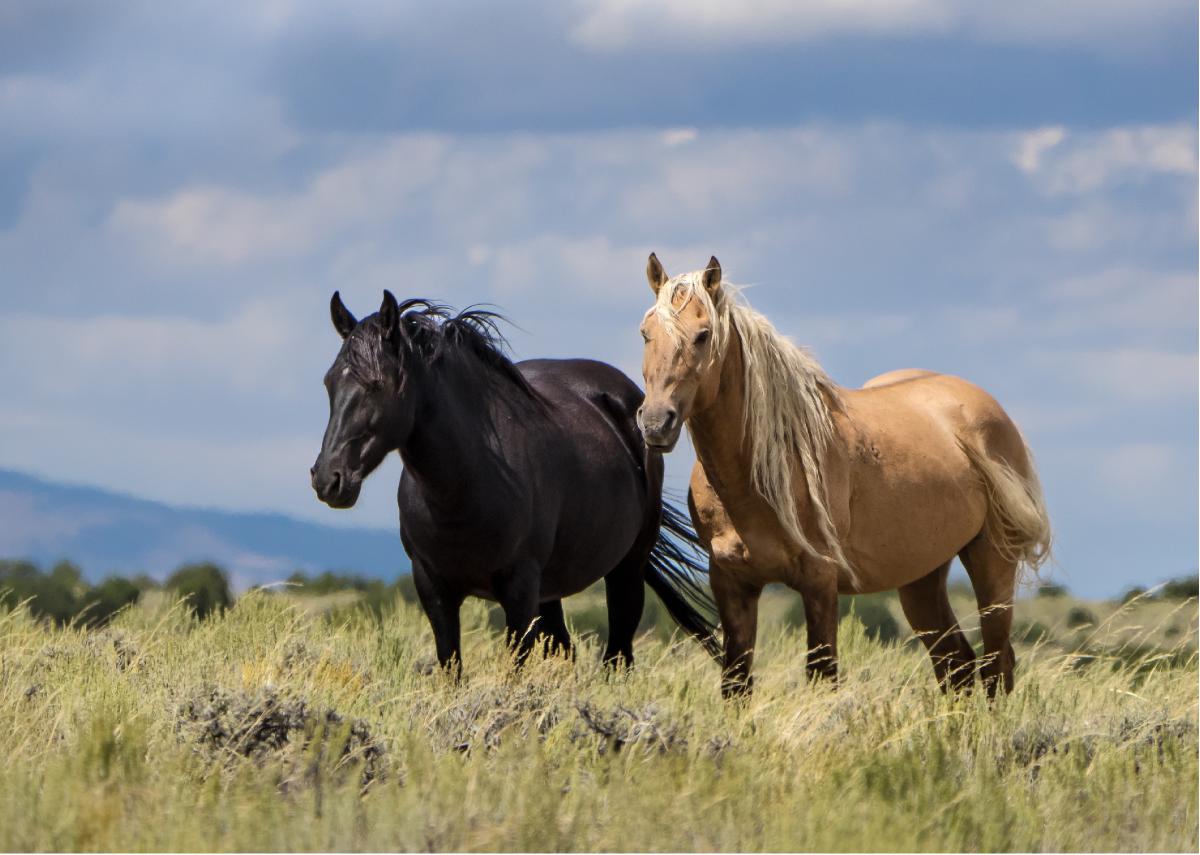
x=1003 y=191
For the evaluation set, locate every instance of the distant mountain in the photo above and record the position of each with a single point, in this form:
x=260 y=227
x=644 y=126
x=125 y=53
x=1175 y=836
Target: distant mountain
x=105 y=532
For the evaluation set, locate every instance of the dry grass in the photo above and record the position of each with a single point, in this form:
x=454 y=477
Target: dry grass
x=276 y=728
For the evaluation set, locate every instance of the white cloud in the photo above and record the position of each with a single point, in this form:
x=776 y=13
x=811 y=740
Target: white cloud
x=1087 y=162
x=249 y=352
x=1129 y=375
x=678 y=136
x=1031 y=145
x=616 y=23
x=224 y=226
x=1139 y=472
x=1108 y=25
x=1123 y=300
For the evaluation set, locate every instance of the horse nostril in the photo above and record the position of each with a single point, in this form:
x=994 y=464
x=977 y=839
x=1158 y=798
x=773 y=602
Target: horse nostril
x=335 y=483
x=669 y=422
x=312 y=471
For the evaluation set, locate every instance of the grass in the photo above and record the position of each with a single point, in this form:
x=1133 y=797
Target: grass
x=281 y=727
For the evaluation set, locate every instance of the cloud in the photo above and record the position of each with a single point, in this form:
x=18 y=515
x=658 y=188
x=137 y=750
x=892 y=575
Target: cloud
x=1102 y=25
x=1129 y=375
x=247 y=352
x=1115 y=155
x=614 y=24
x=1031 y=146
x=1138 y=474
x=1125 y=301
x=225 y=226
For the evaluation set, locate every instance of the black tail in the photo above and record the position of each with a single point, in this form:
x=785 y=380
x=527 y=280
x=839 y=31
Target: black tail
x=674 y=572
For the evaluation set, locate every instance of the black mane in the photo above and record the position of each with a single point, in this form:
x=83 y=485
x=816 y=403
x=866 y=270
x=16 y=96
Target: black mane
x=471 y=340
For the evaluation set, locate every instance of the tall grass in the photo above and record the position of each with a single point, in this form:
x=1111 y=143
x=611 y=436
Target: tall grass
x=274 y=727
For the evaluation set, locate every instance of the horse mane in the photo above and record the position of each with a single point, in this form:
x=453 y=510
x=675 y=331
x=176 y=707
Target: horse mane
x=788 y=406
x=470 y=339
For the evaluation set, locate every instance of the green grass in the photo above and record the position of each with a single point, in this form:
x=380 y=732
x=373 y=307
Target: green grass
x=278 y=727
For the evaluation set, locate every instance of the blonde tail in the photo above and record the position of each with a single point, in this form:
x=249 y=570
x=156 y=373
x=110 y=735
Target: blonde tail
x=1017 y=522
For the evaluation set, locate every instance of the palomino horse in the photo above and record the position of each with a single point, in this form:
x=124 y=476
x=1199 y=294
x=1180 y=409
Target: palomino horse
x=832 y=490
x=523 y=483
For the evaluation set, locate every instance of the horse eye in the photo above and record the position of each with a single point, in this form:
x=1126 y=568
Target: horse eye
x=702 y=337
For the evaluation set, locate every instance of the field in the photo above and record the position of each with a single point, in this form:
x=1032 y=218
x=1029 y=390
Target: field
x=289 y=723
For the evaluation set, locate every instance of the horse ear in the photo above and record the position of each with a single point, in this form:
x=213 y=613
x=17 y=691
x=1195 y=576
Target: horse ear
x=655 y=273
x=343 y=321
x=712 y=276
x=389 y=315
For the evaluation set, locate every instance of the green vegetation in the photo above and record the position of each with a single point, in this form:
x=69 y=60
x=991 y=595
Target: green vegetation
x=62 y=595
x=874 y=611
x=278 y=725
x=204 y=587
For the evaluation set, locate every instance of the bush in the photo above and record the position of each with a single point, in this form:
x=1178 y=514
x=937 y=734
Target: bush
x=98 y=606
x=1030 y=631
x=204 y=586
x=1049 y=589
x=1183 y=588
x=1079 y=616
x=49 y=595
x=62 y=595
x=872 y=610
x=1132 y=594
x=329 y=582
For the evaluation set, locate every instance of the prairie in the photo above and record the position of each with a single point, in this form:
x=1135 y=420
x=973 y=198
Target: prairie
x=292 y=724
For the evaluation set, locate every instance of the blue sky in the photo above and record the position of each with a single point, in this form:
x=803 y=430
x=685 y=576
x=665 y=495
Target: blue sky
x=1005 y=191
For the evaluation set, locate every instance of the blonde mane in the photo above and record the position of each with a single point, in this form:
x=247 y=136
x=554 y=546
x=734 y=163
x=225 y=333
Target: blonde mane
x=788 y=406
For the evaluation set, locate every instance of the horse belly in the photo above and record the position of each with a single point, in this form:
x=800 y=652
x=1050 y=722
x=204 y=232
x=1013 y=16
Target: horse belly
x=603 y=512
x=904 y=528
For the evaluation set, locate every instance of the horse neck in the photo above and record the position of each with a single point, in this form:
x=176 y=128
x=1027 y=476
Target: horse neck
x=451 y=448
x=718 y=432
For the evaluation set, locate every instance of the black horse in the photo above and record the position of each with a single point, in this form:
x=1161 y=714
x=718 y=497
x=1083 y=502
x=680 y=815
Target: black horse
x=523 y=483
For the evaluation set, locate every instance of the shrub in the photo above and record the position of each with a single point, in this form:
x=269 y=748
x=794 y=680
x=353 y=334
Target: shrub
x=49 y=596
x=1030 y=632
x=1181 y=588
x=62 y=595
x=1050 y=589
x=205 y=587
x=1079 y=616
x=872 y=610
x=1132 y=594
x=98 y=606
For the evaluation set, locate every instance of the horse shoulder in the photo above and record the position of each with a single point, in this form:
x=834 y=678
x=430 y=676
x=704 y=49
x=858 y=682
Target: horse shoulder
x=750 y=548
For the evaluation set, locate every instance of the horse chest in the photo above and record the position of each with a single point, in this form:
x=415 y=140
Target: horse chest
x=740 y=543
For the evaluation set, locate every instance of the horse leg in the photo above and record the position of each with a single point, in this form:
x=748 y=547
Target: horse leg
x=625 y=594
x=553 y=629
x=441 y=608
x=820 y=595
x=927 y=607
x=994 y=578
x=737 y=604
x=518 y=591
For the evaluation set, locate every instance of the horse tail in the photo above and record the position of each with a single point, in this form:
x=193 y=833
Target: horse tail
x=1017 y=522
x=674 y=572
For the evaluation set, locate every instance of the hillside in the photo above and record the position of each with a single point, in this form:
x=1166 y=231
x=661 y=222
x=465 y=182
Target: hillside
x=107 y=532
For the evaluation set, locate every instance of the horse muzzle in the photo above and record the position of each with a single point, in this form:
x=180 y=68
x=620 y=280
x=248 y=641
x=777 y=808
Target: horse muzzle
x=660 y=428
x=335 y=487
